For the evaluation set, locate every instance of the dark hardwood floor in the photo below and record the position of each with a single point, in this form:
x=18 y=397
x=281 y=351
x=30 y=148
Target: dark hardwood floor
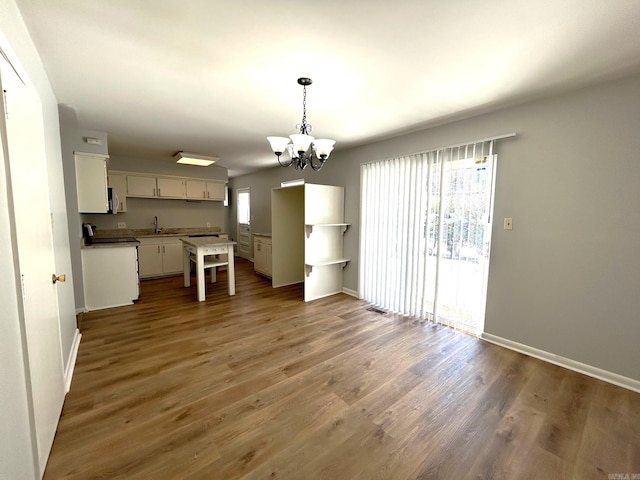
x=264 y=386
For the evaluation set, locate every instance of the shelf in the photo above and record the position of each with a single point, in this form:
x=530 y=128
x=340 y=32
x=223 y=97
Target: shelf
x=309 y=227
x=210 y=263
x=308 y=267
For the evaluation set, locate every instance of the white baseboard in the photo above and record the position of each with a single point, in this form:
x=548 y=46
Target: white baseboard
x=604 y=375
x=71 y=363
x=81 y=310
x=287 y=284
x=348 y=291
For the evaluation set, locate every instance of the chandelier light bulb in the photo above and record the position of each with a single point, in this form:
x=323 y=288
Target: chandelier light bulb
x=301 y=142
x=323 y=147
x=278 y=144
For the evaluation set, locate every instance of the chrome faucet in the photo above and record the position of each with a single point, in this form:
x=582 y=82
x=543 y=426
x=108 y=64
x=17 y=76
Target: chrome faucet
x=155 y=225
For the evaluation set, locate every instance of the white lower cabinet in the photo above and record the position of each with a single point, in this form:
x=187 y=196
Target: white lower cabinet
x=110 y=276
x=262 y=254
x=160 y=256
x=150 y=253
x=171 y=256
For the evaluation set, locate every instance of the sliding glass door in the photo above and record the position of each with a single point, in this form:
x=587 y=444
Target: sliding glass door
x=426 y=232
x=465 y=235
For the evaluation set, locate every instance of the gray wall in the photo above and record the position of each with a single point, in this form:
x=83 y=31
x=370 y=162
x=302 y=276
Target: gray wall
x=72 y=140
x=566 y=279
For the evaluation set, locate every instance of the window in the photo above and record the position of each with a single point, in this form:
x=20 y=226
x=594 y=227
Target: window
x=244 y=210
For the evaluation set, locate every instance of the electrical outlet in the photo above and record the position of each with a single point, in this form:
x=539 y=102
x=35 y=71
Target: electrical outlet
x=122 y=225
x=508 y=223
x=208 y=224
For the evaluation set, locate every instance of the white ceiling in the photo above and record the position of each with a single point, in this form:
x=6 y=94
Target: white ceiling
x=216 y=77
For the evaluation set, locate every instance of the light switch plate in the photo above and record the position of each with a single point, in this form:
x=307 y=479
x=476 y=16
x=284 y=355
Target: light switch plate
x=508 y=223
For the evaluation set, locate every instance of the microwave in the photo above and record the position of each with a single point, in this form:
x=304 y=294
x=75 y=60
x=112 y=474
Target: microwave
x=114 y=201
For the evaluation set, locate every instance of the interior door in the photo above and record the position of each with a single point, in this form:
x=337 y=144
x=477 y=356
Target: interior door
x=244 y=223
x=22 y=134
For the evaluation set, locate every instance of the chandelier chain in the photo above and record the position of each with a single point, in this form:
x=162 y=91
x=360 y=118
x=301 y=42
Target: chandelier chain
x=304 y=127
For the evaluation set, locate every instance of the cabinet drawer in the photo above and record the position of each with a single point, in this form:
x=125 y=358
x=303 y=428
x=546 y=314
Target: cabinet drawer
x=214 y=250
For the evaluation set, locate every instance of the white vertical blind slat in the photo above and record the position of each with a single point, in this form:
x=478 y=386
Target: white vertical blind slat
x=415 y=210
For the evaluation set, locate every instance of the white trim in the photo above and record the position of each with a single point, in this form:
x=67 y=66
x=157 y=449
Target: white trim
x=348 y=291
x=81 y=310
x=604 y=375
x=324 y=296
x=292 y=183
x=86 y=154
x=288 y=284
x=71 y=363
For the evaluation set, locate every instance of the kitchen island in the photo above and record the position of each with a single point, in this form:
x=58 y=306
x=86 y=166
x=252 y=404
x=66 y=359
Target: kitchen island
x=208 y=253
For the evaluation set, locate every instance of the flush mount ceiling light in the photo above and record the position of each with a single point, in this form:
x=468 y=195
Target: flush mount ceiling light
x=302 y=146
x=193 y=159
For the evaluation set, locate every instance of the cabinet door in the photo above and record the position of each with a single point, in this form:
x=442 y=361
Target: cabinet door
x=141 y=186
x=91 y=181
x=171 y=188
x=118 y=264
x=150 y=259
x=215 y=191
x=259 y=256
x=171 y=256
x=196 y=189
x=119 y=184
x=268 y=258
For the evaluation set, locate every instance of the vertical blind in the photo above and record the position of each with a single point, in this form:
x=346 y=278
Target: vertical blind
x=425 y=234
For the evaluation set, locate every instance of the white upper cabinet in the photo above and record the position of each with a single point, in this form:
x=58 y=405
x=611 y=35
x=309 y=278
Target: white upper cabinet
x=216 y=191
x=154 y=186
x=91 y=181
x=203 y=190
x=171 y=187
x=197 y=189
x=141 y=186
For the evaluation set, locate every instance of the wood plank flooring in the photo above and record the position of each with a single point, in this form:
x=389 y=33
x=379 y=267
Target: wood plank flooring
x=264 y=386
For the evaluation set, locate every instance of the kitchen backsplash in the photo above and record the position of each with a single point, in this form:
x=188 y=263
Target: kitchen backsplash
x=171 y=214
x=143 y=232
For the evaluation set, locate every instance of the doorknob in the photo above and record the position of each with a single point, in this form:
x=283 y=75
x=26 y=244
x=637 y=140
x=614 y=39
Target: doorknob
x=58 y=278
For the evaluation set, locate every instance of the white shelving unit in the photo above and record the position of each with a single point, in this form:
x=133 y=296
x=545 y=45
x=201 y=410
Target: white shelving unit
x=307 y=238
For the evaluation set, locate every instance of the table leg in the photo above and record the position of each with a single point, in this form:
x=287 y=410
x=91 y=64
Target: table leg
x=186 y=266
x=200 y=275
x=231 y=271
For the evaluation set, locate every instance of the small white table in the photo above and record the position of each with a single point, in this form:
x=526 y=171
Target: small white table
x=196 y=249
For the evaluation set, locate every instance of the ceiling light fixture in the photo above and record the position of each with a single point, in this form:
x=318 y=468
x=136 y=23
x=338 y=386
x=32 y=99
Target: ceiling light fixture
x=193 y=159
x=302 y=146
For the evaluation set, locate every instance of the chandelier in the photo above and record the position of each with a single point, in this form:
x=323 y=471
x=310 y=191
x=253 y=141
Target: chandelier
x=302 y=146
